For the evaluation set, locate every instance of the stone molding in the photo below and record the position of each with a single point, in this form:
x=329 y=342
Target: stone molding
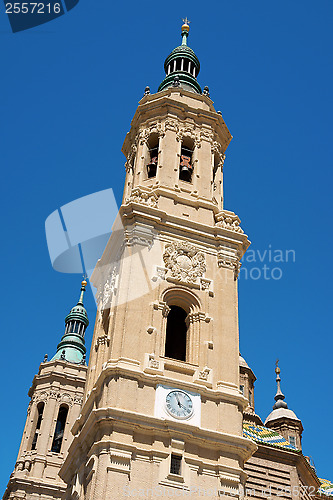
x=120 y=461
x=228 y=220
x=145 y=132
x=140 y=196
x=229 y=261
x=61 y=397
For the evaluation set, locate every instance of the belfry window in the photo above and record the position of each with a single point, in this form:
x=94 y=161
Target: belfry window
x=175 y=464
x=153 y=144
x=176 y=333
x=59 y=429
x=75 y=327
x=40 y=409
x=186 y=162
x=292 y=441
x=250 y=398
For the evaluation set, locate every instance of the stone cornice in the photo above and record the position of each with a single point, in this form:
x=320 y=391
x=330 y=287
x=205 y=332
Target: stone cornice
x=45 y=487
x=131 y=369
x=171 y=102
x=51 y=376
x=125 y=420
x=159 y=218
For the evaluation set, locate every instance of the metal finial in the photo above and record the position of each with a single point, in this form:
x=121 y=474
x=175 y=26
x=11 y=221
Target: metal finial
x=185 y=31
x=83 y=361
x=83 y=289
x=279 y=396
x=62 y=356
x=147 y=90
x=45 y=358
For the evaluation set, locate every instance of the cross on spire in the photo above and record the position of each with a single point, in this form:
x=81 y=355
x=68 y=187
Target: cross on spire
x=186 y=21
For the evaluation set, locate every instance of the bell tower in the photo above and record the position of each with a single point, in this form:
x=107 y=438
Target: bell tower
x=162 y=408
x=56 y=397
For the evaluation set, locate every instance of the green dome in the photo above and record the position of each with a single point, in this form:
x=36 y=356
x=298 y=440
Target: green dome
x=72 y=348
x=78 y=313
x=182 y=51
x=182 y=67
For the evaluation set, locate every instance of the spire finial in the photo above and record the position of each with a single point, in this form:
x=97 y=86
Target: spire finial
x=279 y=396
x=185 y=30
x=83 y=289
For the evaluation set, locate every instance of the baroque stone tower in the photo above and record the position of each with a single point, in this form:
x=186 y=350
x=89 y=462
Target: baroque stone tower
x=56 y=398
x=162 y=408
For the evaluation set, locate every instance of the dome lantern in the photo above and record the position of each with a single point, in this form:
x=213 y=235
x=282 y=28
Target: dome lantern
x=72 y=346
x=182 y=63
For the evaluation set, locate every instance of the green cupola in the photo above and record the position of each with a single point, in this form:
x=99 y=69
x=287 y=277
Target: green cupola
x=72 y=346
x=182 y=66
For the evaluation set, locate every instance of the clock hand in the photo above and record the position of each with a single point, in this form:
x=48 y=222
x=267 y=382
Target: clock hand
x=177 y=397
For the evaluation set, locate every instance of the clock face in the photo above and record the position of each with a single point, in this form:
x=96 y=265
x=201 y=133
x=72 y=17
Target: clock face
x=179 y=404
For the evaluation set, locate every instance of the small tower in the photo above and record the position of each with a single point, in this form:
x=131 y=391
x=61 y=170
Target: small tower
x=56 y=398
x=282 y=419
x=246 y=386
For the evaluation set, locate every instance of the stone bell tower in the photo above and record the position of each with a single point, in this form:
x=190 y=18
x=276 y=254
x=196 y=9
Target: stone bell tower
x=56 y=397
x=163 y=410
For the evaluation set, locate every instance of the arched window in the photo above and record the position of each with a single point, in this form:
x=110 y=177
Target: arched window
x=153 y=155
x=186 y=161
x=59 y=429
x=40 y=409
x=176 y=330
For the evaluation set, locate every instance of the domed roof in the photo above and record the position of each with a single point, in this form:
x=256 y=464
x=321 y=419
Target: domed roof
x=78 y=313
x=72 y=348
x=281 y=413
x=242 y=362
x=280 y=408
x=182 y=66
x=182 y=51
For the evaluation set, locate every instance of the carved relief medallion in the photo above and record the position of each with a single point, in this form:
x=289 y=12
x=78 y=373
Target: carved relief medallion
x=184 y=262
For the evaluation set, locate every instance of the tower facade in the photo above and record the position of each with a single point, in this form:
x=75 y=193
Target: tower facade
x=162 y=408
x=56 y=398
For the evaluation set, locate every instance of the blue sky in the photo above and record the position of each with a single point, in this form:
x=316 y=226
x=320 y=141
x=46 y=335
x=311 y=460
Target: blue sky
x=69 y=91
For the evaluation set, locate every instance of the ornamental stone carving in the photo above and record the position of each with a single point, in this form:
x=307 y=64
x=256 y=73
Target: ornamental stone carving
x=217 y=150
x=152 y=362
x=102 y=340
x=154 y=128
x=170 y=124
x=184 y=262
x=131 y=155
x=143 y=197
x=229 y=220
x=229 y=263
x=204 y=374
x=105 y=291
x=188 y=131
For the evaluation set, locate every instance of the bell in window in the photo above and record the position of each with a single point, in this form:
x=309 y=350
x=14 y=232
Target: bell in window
x=185 y=168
